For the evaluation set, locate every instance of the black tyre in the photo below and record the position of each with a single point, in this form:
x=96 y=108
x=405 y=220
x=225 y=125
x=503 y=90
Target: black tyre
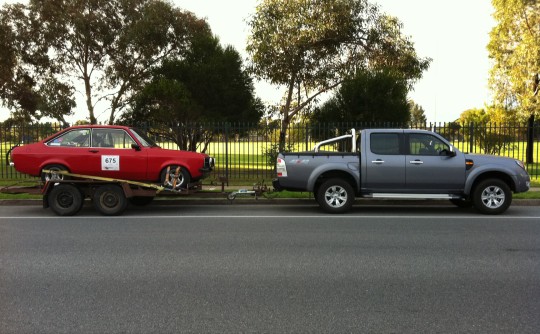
x=492 y=197
x=175 y=182
x=65 y=200
x=110 y=200
x=140 y=200
x=335 y=196
x=53 y=176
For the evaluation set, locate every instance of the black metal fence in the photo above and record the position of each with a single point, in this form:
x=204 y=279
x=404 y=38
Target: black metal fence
x=246 y=152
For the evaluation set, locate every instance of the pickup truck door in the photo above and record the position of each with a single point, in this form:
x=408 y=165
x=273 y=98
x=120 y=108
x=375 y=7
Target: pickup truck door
x=429 y=167
x=384 y=167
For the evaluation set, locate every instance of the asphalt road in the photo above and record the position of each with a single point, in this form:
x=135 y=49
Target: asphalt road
x=243 y=268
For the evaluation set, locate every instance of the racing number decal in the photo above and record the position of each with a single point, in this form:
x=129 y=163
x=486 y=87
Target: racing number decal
x=110 y=162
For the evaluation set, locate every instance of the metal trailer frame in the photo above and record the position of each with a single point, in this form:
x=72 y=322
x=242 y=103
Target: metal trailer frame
x=65 y=192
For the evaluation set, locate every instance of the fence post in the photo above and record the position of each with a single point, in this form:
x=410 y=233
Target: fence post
x=471 y=137
x=227 y=152
x=307 y=138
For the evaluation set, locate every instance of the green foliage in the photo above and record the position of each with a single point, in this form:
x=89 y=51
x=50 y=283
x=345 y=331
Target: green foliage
x=371 y=96
x=209 y=84
x=418 y=115
x=484 y=132
x=515 y=49
x=311 y=46
x=107 y=47
x=271 y=153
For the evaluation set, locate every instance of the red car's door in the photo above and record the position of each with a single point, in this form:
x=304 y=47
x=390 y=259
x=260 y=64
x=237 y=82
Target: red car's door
x=111 y=155
x=71 y=149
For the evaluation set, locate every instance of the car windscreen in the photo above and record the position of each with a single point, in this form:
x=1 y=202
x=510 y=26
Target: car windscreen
x=143 y=138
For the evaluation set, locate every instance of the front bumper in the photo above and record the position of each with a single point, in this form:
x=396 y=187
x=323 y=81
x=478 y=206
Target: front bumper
x=209 y=164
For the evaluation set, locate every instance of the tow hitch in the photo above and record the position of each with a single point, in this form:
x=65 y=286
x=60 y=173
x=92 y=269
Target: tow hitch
x=257 y=191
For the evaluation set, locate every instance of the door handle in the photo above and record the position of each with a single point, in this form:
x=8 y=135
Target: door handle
x=94 y=151
x=378 y=162
x=416 y=162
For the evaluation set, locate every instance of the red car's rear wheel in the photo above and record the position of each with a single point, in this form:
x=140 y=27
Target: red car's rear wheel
x=51 y=176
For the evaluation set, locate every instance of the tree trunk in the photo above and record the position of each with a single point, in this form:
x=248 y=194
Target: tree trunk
x=283 y=133
x=530 y=140
x=89 y=105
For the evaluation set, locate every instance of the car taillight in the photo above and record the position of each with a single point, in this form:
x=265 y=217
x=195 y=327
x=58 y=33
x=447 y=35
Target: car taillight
x=281 y=168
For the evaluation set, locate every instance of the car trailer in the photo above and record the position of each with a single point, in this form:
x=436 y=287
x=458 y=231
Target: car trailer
x=64 y=192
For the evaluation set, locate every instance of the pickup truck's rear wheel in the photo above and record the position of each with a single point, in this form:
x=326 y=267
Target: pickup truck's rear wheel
x=110 y=200
x=492 y=197
x=335 y=196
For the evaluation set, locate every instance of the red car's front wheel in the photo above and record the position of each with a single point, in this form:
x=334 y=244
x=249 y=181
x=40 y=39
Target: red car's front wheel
x=175 y=177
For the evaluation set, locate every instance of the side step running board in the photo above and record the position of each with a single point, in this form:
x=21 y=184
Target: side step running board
x=412 y=196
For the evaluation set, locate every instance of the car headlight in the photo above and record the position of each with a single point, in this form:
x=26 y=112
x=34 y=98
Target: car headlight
x=520 y=163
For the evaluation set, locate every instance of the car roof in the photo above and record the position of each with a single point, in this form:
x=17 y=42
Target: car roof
x=93 y=126
x=86 y=126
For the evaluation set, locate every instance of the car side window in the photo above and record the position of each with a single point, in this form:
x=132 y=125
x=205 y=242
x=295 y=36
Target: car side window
x=112 y=138
x=73 y=138
x=384 y=143
x=426 y=144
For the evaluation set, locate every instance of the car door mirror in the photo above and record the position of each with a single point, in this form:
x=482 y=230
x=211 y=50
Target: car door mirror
x=448 y=152
x=135 y=147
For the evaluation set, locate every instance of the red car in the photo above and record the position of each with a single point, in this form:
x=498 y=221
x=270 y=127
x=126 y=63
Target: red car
x=118 y=152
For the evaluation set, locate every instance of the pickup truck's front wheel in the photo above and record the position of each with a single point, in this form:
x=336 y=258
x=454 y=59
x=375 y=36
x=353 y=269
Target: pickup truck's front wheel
x=335 y=196
x=492 y=197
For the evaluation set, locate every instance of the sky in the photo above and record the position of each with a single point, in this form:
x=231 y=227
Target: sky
x=453 y=33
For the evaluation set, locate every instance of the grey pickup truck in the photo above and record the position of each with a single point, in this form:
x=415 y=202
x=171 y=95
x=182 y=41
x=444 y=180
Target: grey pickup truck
x=400 y=164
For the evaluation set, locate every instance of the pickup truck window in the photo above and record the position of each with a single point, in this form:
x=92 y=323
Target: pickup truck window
x=384 y=143
x=425 y=144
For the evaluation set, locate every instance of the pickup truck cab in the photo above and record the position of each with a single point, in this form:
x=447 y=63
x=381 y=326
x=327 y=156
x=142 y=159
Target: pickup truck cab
x=400 y=164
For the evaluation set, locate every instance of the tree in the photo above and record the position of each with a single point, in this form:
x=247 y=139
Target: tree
x=310 y=46
x=26 y=81
x=483 y=132
x=107 y=47
x=418 y=115
x=208 y=85
x=515 y=49
x=371 y=96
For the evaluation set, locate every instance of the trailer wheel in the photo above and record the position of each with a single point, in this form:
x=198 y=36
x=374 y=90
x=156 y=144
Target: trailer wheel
x=335 y=196
x=182 y=180
x=110 y=200
x=492 y=197
x=65 y=200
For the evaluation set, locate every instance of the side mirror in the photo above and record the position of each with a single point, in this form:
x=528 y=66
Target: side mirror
x=449 y=153
x=135 y=147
